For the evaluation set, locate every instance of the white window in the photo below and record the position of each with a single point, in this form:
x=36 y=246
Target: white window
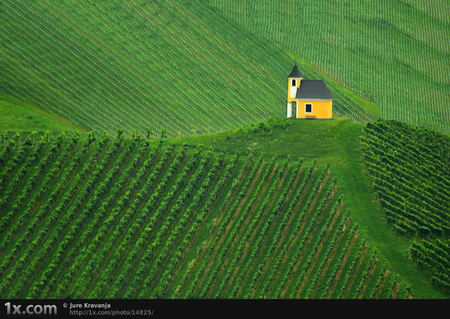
x=293 y=91
x=293 y=83
x=308 y=108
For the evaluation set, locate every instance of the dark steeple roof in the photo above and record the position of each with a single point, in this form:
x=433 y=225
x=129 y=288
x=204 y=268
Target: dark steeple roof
x=295 y=73
x=313 y=89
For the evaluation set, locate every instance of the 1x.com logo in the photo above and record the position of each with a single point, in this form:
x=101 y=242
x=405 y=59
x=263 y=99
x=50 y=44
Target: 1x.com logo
x=31 y=309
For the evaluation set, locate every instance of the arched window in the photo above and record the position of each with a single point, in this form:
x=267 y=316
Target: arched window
x=293 y=83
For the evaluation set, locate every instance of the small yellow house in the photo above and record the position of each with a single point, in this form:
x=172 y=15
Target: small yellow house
x=308 y=99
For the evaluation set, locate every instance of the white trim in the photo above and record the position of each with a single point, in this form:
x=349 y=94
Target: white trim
x=293 y=91
x=311 y=108
x=289 y=110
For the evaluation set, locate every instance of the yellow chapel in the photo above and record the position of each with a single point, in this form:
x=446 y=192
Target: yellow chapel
x=308 y=99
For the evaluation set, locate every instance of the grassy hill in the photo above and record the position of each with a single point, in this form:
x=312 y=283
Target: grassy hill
x=394 y=53
x=200 y=224
x=136 y=65
x=180 y=215
x=18 y=116
x=336 y=142
x=238 y=202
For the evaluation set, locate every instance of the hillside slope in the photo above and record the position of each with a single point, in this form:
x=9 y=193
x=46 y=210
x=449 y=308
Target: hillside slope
x=336 y=142
x=175 y=65
x=166 y=219
x=16 y=115
x=134 y=219
x=279 y=209
x=395 y=53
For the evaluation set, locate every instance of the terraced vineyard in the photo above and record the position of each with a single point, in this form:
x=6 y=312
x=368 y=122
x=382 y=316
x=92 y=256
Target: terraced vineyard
x=410 y=170
x=394 y=53
x=431 y=257
x=138 y=65
x=138 y=218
